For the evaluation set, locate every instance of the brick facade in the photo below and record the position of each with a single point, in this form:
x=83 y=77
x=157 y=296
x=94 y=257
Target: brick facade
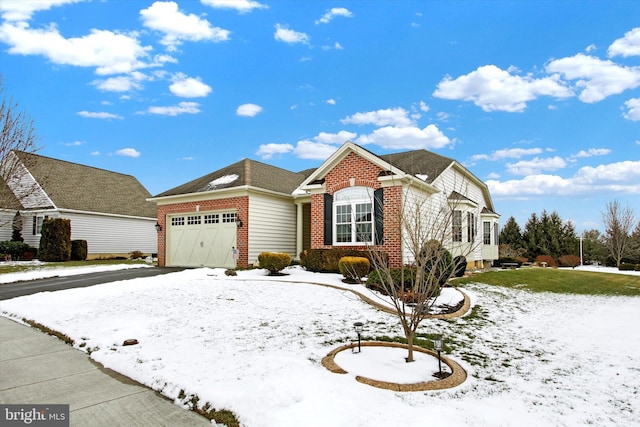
x=239 y=204
x=354 y=170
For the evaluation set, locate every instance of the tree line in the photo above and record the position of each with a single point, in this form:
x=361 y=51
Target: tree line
x=547 y=235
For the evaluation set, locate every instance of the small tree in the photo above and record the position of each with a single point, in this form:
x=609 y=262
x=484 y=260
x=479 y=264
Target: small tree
x=16 y=226
x=55 y=240
x=428 y=224
x=17 y=132
x=618 y=222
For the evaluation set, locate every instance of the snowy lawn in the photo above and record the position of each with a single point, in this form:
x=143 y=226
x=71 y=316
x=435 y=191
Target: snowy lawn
x=253 y=345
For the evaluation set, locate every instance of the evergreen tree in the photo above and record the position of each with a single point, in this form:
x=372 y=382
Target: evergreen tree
x=511 y=234
x=593 y=248
x=530 y=236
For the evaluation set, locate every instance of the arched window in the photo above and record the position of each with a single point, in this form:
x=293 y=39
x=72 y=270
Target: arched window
x=354 y=216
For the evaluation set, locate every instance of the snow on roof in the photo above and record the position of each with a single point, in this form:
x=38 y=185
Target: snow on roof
x=222 y=181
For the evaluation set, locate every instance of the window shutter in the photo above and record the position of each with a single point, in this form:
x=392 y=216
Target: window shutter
x=328 y=219
x=378 y=213
x=35 y=224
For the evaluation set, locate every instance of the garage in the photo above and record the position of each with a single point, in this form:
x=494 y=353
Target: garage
x=200 y=239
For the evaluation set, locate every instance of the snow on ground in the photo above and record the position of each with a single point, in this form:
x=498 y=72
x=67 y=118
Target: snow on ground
x=43 y=270
x=253 y=344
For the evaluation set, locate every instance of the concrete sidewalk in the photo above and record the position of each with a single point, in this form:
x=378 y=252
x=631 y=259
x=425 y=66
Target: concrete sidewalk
x=36 y=368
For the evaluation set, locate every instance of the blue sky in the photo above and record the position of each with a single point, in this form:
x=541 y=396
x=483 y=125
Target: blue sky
x=540 y=99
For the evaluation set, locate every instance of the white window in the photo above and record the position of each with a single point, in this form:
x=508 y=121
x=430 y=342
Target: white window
x=486 y=232
x=211 y=219
x=229 y=217
x=353 y=215
x=177 y=220
x=37 y=224
x=456 y=226
x=194 y=220
x=471 y=227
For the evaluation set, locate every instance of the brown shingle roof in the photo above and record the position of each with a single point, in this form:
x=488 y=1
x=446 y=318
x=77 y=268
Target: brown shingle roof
x=243 y=173
x=85 y=188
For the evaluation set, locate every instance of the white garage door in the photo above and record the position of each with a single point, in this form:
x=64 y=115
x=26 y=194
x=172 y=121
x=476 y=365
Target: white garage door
x=202 y=239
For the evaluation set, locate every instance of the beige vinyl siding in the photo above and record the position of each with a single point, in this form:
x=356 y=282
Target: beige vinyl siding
x=6 y=221
x=272 y=226
x=106 y=234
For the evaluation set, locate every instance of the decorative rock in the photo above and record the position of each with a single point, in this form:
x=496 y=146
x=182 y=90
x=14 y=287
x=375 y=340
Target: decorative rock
x=132 y=341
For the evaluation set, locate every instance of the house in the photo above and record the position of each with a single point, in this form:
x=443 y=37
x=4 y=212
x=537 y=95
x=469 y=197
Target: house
x=107 y=209
x=229 y=216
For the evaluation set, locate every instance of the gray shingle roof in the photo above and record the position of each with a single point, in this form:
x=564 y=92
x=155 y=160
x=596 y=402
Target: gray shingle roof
x=420 y=162
x=246 y=172
x=85 y=188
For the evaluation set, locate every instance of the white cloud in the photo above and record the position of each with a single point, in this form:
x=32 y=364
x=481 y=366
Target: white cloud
x=409 y=137
x=22 y=10
x=629 y=45
x=267 y=151
x=614 y=178
x=424 y=107
x=597 y=79
x=177 y=26
x=390 y=116
x=242 y=6
x=335 y=138
x=174 y=110
x=591 y=152
x=98 y=115
x=128 y=152
x=332 y=13
x=74 y=144
x=494 y=89
x=536 y=165
x=507 y=153
x=109 y=52
x=188 y=87
x=633 y=109
x=248 y=110
x=286 y=35
x=331 y=101
x=95 y=153
x=314 y=150
x=336 y=46
x=121 y=83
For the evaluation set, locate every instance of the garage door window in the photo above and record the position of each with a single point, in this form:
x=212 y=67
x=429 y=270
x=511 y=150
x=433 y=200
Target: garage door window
x=194 y=220
x=178 y=220
x=229 y=217
x=212 y=219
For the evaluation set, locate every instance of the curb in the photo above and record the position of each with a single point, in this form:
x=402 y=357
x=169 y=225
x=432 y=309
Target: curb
x=457 y=377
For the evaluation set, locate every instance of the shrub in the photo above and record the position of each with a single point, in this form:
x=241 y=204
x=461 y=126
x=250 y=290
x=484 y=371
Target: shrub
x=79 y=250
x=439 y=263
x=401 y=277
x=354 y=268
x=55 y=240
x=15 y=249
x=274 y=262
x=137 y=255
x=326 y=260
x=459 y=266
x=551 y=261
x=569 y=261
x=230 y=272
x=627 y=266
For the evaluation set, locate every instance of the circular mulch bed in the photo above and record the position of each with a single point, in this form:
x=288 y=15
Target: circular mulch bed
x=457 y=377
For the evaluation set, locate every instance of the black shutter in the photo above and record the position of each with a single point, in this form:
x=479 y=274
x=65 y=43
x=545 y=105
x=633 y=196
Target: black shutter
x=328 y=219
x=35 y=225
x=378 y=213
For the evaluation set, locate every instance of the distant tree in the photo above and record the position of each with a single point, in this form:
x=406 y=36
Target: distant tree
x=593 y=247
x=530 y=236
x=618 y=222
x=634 y=244
x=16 y=133
x=569 y=241
x=511 y=234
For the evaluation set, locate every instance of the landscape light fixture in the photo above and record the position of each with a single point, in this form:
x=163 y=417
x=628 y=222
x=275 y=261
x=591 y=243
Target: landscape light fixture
x=437 y=345
x=359 y=326
x=158 y=227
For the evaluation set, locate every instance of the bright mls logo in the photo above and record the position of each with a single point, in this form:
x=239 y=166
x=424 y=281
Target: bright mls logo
x=35 y=415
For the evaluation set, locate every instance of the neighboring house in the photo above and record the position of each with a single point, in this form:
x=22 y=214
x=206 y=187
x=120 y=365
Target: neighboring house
x=107 y=209
x=228 y=217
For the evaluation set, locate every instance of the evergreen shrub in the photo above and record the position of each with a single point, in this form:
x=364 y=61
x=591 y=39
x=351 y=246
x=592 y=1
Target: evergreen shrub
x=354 y=268
x=55 y=240
x=274 y=262
x=79 y=250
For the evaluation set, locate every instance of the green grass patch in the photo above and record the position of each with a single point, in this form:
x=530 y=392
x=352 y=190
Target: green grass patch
x=563 y=281
x=21 y=267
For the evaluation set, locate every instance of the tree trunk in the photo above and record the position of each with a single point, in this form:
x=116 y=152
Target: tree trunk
x=410 y=347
